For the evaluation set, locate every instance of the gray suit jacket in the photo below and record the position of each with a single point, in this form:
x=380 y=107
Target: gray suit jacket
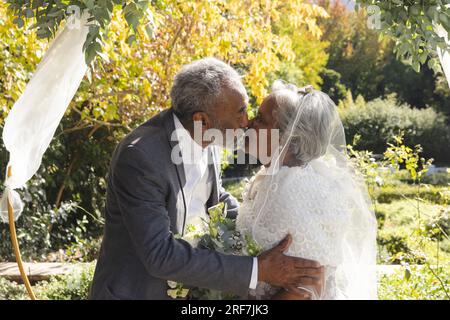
x=145 y=208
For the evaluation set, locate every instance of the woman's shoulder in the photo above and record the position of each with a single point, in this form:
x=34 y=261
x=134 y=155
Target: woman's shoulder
x=302 y=177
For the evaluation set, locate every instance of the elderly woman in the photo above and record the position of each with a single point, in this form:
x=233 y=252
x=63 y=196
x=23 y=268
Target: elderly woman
x=308 y=190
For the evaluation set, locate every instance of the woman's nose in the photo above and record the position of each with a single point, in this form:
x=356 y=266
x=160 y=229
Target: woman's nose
x=245 y=122
x=250 y=123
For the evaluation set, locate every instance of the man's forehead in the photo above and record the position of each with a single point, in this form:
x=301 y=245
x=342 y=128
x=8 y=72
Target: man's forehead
x=230 y=102
x=233 y=94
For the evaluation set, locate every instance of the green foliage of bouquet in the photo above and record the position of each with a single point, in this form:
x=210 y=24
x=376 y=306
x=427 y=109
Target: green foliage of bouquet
x=219 y=233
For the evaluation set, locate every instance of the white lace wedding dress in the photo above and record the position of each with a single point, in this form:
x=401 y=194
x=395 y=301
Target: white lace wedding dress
x=308 y=205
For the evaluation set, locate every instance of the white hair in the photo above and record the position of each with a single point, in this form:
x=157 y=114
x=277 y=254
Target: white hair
x=306 y=121
x=198 y=85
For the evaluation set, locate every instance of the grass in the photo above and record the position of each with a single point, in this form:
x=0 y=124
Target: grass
x=413 y=227
x=73 y=286
x=431 y=193
x=415 y=283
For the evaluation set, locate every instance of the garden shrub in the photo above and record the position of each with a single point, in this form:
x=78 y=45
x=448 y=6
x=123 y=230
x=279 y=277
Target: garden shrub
x=440 y=228
x=395 y=245
x=73 y=286
x=379 y=120
x=10 y=290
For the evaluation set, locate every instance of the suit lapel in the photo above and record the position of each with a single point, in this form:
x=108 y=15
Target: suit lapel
x=213 y=164
x=170 y=128
x=214 y=171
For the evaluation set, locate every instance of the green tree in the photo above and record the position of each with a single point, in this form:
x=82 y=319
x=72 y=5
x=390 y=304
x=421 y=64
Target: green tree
x=309 y=49
x=356 y=53
x=332 y=85
x=412 y=24
x=367 y=65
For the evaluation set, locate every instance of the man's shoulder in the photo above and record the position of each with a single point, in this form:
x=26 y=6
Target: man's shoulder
x=150 y=138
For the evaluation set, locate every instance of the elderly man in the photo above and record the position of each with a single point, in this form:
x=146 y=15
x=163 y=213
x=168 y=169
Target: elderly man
x=150 y=198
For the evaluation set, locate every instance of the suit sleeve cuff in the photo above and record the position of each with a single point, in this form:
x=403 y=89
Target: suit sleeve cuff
x=254 y=278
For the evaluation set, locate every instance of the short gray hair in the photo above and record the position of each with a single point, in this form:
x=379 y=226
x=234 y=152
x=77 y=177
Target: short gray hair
x=198 y=85
x=311 y=134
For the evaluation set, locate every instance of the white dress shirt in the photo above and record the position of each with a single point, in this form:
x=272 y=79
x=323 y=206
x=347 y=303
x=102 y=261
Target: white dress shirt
x=199 y=182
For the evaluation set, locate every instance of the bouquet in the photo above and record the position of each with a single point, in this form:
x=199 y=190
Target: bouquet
x=219 y=234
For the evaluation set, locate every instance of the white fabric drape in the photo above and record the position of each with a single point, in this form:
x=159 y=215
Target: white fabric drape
x=444 y=55
x=35 y=116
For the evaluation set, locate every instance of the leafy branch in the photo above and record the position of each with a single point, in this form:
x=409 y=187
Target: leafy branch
x=413 y=26
x=49 y=15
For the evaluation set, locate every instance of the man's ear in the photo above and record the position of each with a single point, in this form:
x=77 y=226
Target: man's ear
x=203 y=118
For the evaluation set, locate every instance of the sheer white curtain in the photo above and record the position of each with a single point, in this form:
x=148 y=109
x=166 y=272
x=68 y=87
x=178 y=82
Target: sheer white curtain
x=35 y=116
x=444 y=55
